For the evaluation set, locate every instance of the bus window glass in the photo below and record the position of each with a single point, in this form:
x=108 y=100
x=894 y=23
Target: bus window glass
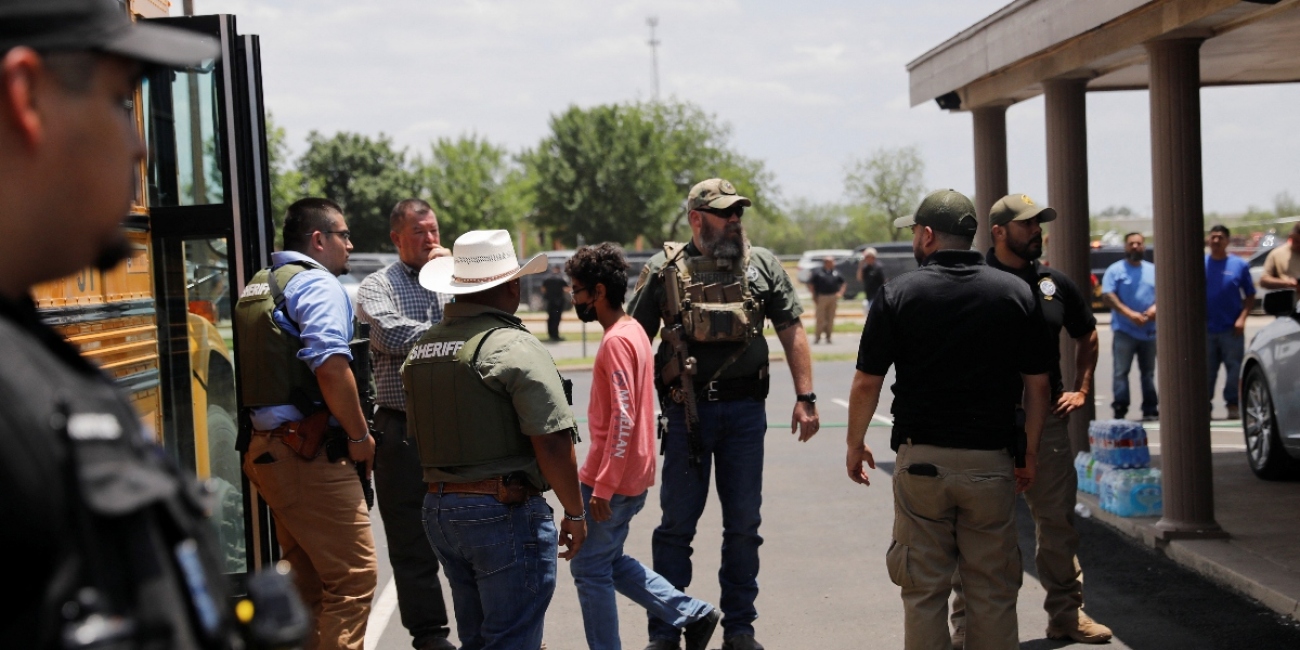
x=212 y=357
x=181 y=121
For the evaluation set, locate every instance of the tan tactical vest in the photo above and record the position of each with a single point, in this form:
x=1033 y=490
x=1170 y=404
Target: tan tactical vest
x=456 y=418
x=717 y=304
x=270 y=372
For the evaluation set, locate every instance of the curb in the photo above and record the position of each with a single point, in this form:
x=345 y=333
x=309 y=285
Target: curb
x=1275 y=586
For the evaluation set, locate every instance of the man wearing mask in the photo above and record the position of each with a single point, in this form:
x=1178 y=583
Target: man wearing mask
x=620 y=466
x=400 y=311
x=713 y=295
x=1129 y=289
x=1017 y=245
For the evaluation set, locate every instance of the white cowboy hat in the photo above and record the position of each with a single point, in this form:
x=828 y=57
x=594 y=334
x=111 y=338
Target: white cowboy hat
x=480 y=260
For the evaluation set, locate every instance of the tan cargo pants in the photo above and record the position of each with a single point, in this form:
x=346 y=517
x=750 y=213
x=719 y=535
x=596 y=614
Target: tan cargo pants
x=962 y=518
x=323 y=528
x=1051 y=502
x=825 y=305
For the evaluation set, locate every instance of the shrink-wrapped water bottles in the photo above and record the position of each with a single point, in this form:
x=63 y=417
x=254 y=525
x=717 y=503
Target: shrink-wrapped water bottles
x=1132 y=492
x=1121 y=443
x=1117 y=469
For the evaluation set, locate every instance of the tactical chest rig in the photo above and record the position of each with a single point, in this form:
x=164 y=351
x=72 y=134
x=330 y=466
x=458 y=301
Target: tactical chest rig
x=706 y=301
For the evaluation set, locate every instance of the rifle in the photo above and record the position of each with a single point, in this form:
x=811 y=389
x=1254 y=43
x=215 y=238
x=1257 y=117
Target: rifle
x=360 y=348
x=681 y=365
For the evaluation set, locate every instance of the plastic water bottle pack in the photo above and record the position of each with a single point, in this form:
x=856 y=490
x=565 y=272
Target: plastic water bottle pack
x=1121 y=443
x=1132 y=492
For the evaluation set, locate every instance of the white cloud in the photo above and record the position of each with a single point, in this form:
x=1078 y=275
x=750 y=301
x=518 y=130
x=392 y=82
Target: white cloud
x=805 y=86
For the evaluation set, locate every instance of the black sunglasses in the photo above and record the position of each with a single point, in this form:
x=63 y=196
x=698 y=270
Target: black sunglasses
x=736 y=211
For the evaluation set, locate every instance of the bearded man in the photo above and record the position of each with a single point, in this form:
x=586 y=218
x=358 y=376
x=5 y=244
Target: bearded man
x=713 y=295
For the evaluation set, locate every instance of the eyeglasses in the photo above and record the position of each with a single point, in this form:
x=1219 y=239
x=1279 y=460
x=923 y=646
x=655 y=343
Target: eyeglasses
x=736 y=211
x=345 y=234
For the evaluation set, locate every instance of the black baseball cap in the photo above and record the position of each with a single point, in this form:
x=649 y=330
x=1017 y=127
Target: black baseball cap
x=101 y=26
x=945 y=211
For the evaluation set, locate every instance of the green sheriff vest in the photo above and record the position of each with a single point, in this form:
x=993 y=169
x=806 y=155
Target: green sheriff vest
x=457 y=419
x=270 y=371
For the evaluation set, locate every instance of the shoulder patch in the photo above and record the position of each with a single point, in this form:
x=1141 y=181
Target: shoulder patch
x=751 y=273
x=641 y=279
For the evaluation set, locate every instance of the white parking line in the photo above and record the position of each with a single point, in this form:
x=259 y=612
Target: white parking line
x=380 y=614
x=877 y=417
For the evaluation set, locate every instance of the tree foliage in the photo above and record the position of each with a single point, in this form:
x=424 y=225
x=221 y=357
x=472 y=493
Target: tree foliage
x=890 y=183
x=365 y=176
x=473 y=185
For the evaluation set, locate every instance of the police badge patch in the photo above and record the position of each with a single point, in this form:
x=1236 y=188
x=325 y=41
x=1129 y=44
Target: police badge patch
x=1047 y=288
x=751 y=273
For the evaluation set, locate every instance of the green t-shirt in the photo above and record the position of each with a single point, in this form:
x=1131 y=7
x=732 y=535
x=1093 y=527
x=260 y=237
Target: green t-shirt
x=767 y=280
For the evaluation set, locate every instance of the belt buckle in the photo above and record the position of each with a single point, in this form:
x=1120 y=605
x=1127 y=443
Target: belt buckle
x=711 y=391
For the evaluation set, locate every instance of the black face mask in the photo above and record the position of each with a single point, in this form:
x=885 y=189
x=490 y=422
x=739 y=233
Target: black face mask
x=586 y=312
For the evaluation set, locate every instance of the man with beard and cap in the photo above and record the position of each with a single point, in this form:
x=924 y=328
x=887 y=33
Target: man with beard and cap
x=1017 y=244
x=295 y=324
x=490 y=415
x=1129 y=289
x=960 y=462
x=399 y=312
x=107 y=541
x=712 y=295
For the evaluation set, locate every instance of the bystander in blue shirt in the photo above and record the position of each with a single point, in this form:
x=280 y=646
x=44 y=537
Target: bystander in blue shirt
x=1226 y=282
x=316 y=300
x=1135 y=286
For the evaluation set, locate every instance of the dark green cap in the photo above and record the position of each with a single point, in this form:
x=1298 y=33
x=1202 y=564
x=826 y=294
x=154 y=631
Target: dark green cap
x=944 y=211
x=1018 y=207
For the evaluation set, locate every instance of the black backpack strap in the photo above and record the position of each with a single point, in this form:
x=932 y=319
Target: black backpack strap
x=277 y=292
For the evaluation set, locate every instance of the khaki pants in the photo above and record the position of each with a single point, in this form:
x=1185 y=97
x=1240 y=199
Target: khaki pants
x=825 y=305
x=1051 y=502
x=323 y=528
x=963 y=518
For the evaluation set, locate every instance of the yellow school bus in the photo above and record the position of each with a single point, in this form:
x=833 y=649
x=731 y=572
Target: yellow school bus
x=160 y=323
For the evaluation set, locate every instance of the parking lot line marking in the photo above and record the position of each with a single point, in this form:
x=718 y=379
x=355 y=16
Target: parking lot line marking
x=874 y=418
x=380 y=614
x=841 y=402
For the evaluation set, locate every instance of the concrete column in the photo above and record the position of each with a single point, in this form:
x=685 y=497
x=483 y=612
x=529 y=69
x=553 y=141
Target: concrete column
x=1067 y=192
x=990 y=166
x=1175 y=89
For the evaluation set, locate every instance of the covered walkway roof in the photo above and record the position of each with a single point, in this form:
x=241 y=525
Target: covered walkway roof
x=1006 y=57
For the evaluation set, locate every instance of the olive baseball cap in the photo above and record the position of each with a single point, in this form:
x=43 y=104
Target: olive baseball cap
x=714 y=193
x=1018 y=207
x=101 y=26
x=944 y=211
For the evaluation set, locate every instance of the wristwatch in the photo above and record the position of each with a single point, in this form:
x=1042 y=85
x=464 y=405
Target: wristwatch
x=811 y=398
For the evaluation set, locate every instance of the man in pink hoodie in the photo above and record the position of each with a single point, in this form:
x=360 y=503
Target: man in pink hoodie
x=620 y=465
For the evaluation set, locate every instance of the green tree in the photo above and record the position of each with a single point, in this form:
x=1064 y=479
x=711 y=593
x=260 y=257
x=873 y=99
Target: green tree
x=889 y=183
x=365 y=176
x=615 y=172
x=286 y=181
x=473 y=185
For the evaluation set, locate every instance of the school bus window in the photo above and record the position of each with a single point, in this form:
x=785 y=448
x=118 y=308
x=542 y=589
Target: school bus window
x=185 y=103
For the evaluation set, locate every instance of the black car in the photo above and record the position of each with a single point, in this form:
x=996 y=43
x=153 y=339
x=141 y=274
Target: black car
x=895 y=258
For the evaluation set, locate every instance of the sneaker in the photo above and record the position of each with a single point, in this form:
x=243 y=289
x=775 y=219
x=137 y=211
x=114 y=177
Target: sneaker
x=1151 y=417
x=1234 y=413
x=742 y=642
x=661 y=644
x=1119 y=415
x=959 y=637
x=698 y=633
x=1081 y=630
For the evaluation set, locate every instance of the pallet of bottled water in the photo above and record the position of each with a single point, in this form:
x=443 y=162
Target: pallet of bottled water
x=1089 y=472
x=1132 y=492
x=1119 y=443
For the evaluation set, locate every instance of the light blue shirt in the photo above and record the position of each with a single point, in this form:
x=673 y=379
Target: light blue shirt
x=320 y=315
x=1135 y=286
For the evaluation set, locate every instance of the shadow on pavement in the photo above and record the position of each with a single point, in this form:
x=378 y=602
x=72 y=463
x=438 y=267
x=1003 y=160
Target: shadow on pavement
x=1153 y=603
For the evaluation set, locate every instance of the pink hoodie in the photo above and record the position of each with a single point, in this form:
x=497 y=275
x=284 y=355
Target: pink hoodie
x=621 y=416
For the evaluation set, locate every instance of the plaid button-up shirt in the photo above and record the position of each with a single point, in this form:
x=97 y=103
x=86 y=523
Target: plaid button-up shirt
x=399 y=311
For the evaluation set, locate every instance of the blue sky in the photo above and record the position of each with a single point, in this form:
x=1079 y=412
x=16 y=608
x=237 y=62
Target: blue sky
x=806 y=86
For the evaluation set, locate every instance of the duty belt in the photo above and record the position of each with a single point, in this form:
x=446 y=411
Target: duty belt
x=724 y=390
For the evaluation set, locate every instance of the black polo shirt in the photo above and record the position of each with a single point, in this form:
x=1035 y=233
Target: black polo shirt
x=1062 y=303
x=826 y=282
x=959 y=334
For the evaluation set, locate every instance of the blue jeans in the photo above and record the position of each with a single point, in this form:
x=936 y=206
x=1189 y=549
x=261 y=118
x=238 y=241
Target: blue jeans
x=1125 y=348
x=500 y=563
x=602 y=567
x=1227 y=348
x=732 y=437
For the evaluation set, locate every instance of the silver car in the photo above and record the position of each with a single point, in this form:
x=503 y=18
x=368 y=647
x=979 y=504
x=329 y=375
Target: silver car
x=1270 y=384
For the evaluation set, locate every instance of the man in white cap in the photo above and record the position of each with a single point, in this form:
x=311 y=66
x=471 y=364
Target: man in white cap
x=490 y=415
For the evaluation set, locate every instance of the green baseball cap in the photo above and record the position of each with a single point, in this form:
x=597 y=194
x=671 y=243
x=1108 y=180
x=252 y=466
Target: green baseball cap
x=1018 y=207
x=944 y=211
x=714 y=193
